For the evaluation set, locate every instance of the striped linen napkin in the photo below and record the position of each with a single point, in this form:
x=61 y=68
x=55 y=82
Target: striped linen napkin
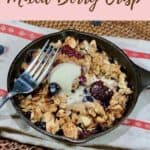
x=133 y=133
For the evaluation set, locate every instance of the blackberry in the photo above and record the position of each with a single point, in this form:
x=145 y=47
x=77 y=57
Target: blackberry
x=71 y=52
x=101 y=92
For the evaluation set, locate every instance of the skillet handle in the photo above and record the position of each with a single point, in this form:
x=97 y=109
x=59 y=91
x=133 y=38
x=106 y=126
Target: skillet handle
x=144 y=77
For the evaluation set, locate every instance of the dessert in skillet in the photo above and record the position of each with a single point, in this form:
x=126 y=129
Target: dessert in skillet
x=84 y=93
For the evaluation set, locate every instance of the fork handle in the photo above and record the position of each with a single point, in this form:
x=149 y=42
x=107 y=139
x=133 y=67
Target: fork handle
x=4 y=99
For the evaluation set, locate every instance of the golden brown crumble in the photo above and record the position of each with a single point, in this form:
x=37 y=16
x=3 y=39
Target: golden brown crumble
x=77 y=117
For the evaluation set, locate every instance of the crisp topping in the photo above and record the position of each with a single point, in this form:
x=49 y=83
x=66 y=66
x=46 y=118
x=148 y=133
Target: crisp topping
x=84 y=93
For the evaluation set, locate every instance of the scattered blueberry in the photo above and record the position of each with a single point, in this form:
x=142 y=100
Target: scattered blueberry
x=88 y=99
x=100 y=92
x=27 y=114
x=2 y=49
x=82 y=80
x=41 y=125
x=53 y=88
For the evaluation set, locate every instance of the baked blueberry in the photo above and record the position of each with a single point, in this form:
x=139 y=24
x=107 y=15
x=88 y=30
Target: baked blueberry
x=85 y=91
x=88 y=99
x=53 y=88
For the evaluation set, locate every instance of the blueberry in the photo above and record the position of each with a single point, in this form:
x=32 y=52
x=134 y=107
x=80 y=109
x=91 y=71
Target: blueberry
x=41 y=125
x=53 y=88
x=27 y=114
x=85 y=91
x=88 y=99
x=2 y=49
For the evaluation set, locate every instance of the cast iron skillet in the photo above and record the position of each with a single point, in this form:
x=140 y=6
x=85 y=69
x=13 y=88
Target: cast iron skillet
x=138 y=78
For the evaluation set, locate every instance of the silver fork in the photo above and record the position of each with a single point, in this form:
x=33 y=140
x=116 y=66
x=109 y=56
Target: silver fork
x=30 y=79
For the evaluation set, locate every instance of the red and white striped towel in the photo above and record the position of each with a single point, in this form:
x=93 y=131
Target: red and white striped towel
x=134 y=133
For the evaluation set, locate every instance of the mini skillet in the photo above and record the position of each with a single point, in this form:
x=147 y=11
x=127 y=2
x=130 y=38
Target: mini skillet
x=138 y=78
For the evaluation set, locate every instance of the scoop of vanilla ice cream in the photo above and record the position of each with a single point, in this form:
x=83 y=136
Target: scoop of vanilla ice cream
x=64 y=74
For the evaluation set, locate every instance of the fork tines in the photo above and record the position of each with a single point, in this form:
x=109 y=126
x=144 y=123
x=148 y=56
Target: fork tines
x=41 y=65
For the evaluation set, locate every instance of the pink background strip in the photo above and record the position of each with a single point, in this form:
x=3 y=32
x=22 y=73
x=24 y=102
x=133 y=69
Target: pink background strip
x=75 y=12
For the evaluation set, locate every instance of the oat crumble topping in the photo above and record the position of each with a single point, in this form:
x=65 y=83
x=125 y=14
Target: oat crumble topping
x=97 y=95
